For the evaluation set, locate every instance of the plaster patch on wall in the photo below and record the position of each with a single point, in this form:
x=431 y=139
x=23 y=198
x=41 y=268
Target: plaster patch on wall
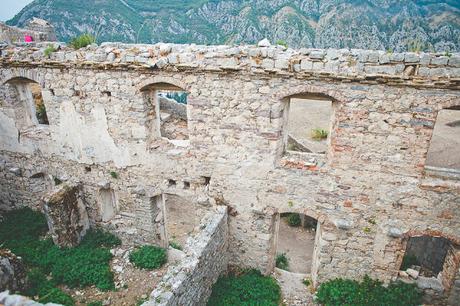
x=87 y=139
x=9 y=134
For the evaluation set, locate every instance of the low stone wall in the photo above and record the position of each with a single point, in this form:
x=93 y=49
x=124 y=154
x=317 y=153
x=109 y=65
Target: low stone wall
x=190 y=281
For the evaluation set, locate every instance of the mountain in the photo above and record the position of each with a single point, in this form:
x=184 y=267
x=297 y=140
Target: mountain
x=397 y=25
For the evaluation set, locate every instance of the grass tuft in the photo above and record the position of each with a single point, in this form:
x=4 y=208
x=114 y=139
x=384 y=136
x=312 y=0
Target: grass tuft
x=82 y=41
x=49 y=50
x=175 y=245
x=319 y=134
x=282 y=261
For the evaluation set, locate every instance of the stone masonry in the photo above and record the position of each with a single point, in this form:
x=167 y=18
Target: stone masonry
x=369 y=192
x=190 y=281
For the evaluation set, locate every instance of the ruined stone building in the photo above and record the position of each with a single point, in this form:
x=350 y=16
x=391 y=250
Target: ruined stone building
x=382 y=180
x=38 y=29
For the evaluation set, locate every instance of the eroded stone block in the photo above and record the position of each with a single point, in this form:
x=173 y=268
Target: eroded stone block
x=66 y=215
x=12 y=271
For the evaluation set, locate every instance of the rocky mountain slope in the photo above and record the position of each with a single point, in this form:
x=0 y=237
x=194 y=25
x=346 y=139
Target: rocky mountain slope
x=369 y=24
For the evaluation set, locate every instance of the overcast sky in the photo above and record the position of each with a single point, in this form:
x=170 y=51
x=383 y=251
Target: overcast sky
x=9 y=8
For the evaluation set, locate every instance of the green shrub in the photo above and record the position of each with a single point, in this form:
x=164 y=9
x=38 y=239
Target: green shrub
x=282 y=261
x=22 y=224
x=282 y=43
x=293 y=219
x=97 y=303
x=139 y=302
x=84 y=265
x=49 y=50
x=249 y=288
x=408 y=261
x=148 y=257
x=114 y=174
x=82 y=41
x=319 y=134
x=175 y=245
x=99 y=238
x=369 y=292
x=57 y=296
x=39 y=285
x=306 y=282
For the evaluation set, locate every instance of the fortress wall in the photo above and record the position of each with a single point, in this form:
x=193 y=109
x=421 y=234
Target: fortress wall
x=368 y=192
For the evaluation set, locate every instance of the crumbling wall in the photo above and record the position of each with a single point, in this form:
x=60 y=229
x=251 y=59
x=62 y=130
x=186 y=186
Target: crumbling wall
x=190 y=281
x=10 y=34
x=369 y=191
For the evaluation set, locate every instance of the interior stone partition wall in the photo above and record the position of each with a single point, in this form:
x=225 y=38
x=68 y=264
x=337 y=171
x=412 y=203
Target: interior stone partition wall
x=369 y=192
x=190 y=281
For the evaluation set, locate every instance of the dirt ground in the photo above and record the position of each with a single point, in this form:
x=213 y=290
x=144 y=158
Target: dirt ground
x=182 y=218
x=305 y=115
x=293 y=290
x=445 y=141
x=298 y=244
x=132 y=284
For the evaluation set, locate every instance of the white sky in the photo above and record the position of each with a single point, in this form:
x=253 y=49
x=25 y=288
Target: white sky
x=9 y=8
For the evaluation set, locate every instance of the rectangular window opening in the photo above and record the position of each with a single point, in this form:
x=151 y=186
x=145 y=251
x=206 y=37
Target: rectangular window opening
x=173 y=115
x=308 y=125
x=443 y=157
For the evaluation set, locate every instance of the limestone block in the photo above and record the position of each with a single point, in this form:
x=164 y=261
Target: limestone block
x=454 y=61
x=264 y=43
x=412 y=273
x=429 y=283
x=411 y=57
x=317 y=54
x=12 y=271
x=394 y=232
x=384 y=58
x=442 y=60
x=397 y=57
x=66 y=215
x=306 y=64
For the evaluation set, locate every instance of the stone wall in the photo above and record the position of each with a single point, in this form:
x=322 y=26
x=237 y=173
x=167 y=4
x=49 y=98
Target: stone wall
x=10 y=34
x=369 y=192
x=190 y=281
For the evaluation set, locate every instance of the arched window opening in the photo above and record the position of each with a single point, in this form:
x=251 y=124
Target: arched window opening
x=308 y=123
x=29 y=95
x=443 y=157
x=169 y=116
x=40 y=109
